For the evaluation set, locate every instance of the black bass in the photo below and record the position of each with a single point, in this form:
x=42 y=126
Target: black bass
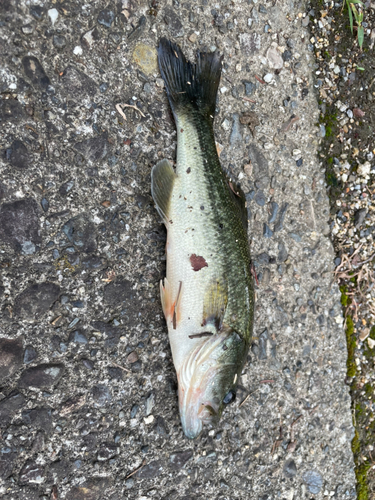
x=208 y=293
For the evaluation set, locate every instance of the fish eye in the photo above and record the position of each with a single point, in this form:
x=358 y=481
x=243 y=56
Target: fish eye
x=230 y=397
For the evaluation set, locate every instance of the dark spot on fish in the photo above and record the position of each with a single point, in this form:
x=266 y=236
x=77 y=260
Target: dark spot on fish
x=202 y=207
x=195 y=147
x=182 y=130
x=188 y=170
x=171 y=221
x=221 y=226
x=200 y=335
x=197 y=262
x=225 y=347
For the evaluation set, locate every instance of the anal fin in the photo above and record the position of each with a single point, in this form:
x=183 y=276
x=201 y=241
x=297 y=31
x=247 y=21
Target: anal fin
x=166 y=299
x=162 y=181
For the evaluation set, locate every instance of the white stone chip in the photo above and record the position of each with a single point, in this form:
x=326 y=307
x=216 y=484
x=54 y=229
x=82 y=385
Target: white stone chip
x=364 y=169
x=149 y=419
x=268 y=77
x=53 y=15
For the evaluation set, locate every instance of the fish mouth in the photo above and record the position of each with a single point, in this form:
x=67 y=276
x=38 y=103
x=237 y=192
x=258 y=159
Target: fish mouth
x=196 y=413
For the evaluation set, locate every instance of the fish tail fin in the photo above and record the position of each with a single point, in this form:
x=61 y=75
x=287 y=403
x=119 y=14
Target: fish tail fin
x=188 y=84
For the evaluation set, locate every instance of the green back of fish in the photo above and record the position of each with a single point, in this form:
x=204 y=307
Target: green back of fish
x=192 y=91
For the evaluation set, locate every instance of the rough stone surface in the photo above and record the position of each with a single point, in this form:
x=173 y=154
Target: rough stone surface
x=19 y=223
x=92 y=489
x=94 y=149
x=314 y=481
x=146 y=58
x=93 y=413
x=9 y=407
x=11 y=351
x=39 y=418
x=36 y=300
x=34 y=72
x=77 y=84
x=81 y=232
x=31 y=472
x=17 y=154
x=41 y=376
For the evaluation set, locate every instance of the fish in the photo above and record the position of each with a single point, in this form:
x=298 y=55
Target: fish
x=207 y=295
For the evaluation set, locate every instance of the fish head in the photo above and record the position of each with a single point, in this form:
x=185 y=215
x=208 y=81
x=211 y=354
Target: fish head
x=208 y=379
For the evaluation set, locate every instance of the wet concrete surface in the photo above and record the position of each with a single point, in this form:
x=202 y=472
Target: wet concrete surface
x=88 y=405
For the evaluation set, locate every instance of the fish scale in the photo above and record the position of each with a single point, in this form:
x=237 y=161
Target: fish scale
x=225 y=249
x=208 y=294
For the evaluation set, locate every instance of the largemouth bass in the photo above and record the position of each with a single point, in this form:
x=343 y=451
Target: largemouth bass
x=208 y=293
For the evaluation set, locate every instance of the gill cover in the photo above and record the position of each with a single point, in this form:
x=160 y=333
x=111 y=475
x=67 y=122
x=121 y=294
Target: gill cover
x=208 y=379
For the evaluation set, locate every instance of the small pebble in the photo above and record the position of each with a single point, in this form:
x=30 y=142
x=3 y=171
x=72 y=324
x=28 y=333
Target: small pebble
x=268 y=77
x=28 y=29
x=59 y=41
x=53 y=15
x=103 y=87
x=267 y=233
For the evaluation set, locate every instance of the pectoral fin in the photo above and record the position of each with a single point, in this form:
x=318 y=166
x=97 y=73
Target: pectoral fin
x=215 y=303
x=162 y=180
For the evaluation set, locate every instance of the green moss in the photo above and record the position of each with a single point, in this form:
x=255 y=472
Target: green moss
x=352 y=344
x=344 y=297
x=362 y=397
x=329 y=120
x=356 y=445
x=350 y=335
x=369 y=390
x=359 y=411
x=331 y=178
x=362 y=487
x=361 y=470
